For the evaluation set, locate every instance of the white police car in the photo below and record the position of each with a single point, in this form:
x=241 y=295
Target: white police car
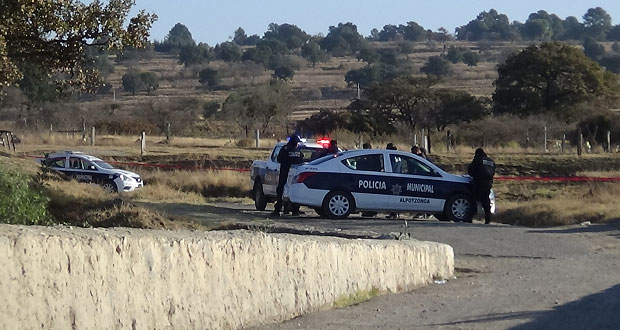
x=381 y=180
x=89 y=169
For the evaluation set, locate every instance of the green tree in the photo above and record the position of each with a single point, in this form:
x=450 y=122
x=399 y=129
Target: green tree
x=436 y=66
x=283 y=73
x=550 y=78
x=240 y=36
x=593 y=49
x=150 y=81
x=209 y=78
x=537 y=29
x=389 y=33
x=132 y=82
x=614 y=33
x=413 y=31
x=323 y=123
x=36 y=85
x=573 y=29
x=489 y=25
x=545 y=26
x=342 y=40
x=455 y=54
x=53 y=35
x=368 y=54
x=211 y=108
x=597 y=23
x=364 y=77
x=312 y=52
x=471 y=58
x=195 y=54
x=228 y=51
x=259 y=106
x=178 y=38
x=292 y=36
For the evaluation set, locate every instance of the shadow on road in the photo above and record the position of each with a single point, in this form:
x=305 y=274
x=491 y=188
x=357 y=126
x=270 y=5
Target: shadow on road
x=597 y=311
x=612 y=228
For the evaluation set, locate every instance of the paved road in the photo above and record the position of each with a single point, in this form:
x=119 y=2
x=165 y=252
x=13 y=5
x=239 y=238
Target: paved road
x=507 y=277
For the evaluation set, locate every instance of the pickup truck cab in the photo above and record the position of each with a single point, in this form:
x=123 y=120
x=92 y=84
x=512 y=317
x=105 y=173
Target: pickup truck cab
x=264 y=174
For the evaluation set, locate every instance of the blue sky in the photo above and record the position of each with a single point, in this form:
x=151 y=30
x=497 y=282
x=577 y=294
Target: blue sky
x=215 y=21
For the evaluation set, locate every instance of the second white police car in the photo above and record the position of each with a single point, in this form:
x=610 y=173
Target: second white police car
x=381 y=180
x=90 y=169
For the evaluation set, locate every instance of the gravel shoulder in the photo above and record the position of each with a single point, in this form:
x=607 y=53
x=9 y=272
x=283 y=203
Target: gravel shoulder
x=507 y=277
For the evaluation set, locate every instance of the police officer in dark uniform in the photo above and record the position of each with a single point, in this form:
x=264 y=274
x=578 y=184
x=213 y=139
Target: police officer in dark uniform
x=482 y=170
x=288 y=155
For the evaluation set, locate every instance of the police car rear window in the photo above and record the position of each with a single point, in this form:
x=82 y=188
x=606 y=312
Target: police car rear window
x=373 y=163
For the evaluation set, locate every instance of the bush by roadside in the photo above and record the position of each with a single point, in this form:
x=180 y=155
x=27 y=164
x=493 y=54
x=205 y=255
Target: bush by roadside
x=22 y=199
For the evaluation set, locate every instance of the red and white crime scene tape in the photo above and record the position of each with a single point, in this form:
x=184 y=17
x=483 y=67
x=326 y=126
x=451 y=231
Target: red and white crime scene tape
x=497 y=178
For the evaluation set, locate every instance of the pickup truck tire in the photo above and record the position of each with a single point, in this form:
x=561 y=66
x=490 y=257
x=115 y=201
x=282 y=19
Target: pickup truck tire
x=338 y=204
x=260 y=201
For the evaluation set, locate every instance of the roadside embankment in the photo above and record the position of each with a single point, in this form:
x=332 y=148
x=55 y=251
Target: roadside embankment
x=73 y=278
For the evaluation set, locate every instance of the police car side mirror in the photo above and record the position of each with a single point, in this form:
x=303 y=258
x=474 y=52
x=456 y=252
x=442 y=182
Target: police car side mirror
x=92 y=168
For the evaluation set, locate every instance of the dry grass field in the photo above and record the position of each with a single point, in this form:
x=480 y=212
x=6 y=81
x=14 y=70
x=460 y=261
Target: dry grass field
x=521 y=203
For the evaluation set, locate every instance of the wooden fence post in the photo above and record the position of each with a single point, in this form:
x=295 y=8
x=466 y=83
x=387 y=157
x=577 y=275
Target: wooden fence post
x=257 y=138
x=545 y=144
x=563 y=142
x=142 y=144
x=579 y=143
x=168 y=135
x=608 y=141
x=448 y=141
x=92 y=136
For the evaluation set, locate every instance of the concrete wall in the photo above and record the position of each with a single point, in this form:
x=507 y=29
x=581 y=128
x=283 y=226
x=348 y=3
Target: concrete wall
x=70 y=278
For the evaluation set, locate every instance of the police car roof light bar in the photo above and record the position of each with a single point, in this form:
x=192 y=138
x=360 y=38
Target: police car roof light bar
x=323 y=141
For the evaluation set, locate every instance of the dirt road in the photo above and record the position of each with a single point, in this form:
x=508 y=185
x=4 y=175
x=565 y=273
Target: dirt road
x=507 y=277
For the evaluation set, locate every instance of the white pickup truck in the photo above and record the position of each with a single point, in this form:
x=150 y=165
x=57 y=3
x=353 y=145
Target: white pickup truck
x=265 y=173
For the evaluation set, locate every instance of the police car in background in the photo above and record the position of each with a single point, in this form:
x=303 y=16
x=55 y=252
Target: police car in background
x=90 y=169
x=381 y=180
x=264 y=174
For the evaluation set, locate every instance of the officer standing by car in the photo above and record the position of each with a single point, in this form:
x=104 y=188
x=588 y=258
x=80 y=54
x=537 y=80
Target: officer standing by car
x=482 y=170
x=288 y=155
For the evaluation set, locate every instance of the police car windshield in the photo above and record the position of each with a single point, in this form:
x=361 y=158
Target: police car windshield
x=103 y=165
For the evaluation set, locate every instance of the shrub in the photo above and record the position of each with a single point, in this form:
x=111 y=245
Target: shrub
x=22 y=200
x=245 y=143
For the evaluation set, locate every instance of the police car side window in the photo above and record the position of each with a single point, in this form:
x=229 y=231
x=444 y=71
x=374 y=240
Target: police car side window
x=373 y=163
x=56 y=162
x=88 y=165
x=408 y=165
x=75 y=163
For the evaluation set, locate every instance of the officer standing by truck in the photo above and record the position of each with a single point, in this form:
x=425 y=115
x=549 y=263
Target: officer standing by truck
x=482 y=170
x=288 y=155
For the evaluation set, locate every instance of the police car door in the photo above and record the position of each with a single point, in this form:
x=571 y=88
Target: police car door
x=367 y=180
x=76 y=170
x=91 y=173
x=272 y=173
x=414 y=186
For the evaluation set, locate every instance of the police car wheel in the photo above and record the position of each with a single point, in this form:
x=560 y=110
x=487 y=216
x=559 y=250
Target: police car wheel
x=459 y=208
x=109 y=187
x=338 y=204
x=260 y=201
